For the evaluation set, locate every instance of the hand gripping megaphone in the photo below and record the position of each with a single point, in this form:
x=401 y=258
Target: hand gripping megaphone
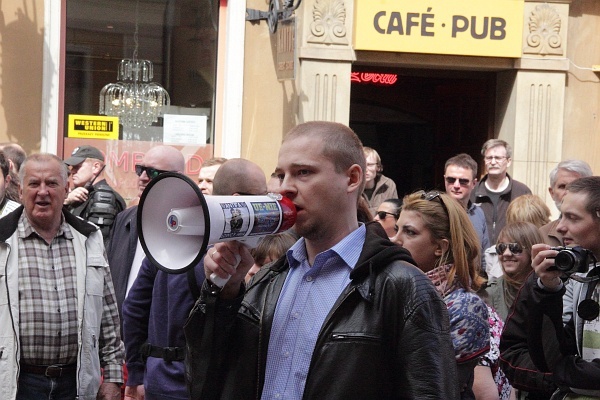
x=176 y=222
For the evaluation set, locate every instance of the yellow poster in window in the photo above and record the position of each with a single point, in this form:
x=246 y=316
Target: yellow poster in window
x=93 y=127
x=459 y=27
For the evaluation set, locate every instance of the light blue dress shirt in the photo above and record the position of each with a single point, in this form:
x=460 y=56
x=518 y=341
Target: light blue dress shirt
x=308 y=295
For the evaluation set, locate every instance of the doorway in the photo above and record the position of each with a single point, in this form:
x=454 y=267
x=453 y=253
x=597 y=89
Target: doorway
x=421 y=119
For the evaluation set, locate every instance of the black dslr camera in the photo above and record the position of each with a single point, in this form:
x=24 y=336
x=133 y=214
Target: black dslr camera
x=570 y=260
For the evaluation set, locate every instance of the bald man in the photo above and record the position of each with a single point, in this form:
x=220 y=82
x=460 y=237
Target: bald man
x=158 y=304
x=125 y=253
x=239 y=176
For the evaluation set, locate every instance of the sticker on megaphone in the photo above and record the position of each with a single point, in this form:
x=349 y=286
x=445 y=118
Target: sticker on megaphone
x=247 y=219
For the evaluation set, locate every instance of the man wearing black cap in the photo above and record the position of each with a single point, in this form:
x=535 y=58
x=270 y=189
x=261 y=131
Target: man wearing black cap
x=92 y=198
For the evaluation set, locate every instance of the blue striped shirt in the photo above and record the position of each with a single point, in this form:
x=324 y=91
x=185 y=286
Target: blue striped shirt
x=308 y=295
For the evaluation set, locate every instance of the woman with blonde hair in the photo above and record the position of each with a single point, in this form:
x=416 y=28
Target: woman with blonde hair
x=514 y=251
x=439 y=235
x=528 y=208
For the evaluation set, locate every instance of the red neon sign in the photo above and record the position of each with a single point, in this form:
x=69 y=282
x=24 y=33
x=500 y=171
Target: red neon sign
x=373 y=77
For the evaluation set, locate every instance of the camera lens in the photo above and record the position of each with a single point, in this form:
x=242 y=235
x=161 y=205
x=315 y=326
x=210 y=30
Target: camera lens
x=565 y=260
x=570 y=260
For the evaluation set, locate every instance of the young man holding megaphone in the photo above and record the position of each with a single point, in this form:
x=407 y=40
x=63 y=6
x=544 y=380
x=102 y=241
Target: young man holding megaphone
x=344 y=314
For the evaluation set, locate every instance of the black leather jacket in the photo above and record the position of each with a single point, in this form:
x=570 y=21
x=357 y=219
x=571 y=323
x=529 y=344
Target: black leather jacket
x=387 y=336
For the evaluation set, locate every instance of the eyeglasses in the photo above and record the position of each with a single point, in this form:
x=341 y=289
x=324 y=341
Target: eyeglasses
x=462 y=181
x=383 y=215
x=151 y=172
x=372 y=165
x=432 y=195
x=497 y=158
x=514 y=248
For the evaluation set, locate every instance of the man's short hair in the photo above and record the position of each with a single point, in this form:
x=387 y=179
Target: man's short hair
x=462 y=160
x=4 y=164
x=213 y=161
x=14 y=153
x=340 y=144
x=589 y=185
x=372 y=152
x=495 y=143
x=44 y=158
x=578 y=167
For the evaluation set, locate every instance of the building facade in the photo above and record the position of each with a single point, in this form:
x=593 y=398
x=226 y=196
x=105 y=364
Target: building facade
x=418 y=83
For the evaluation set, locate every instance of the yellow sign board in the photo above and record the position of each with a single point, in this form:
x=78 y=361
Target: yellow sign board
x=459 y=27
x=93 y=127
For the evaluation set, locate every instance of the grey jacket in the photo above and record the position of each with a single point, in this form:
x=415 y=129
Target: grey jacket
x=91 y=264
x=385 y=188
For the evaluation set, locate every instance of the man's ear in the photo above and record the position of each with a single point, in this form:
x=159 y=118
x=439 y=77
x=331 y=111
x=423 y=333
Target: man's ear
x=97 y=166
x=355 y=177
x=442 y=247
x=7 y=178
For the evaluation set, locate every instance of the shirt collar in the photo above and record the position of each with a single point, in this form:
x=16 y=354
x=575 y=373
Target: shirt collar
x=348 y=249
x=26 y=230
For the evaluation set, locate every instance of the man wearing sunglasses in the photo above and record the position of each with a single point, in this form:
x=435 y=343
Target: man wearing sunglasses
x=497 y=189
x=460 y=178
x=125 y=253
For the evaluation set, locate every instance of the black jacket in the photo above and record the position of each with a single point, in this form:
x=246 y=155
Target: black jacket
x=495 y=214
x=121 y=251
x=101 y=207
x=528 y=338
x=387 y=336
x=539 y=349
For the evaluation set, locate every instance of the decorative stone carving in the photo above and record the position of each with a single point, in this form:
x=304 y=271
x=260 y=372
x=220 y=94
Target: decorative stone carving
x=329 y=23
x=544 y=32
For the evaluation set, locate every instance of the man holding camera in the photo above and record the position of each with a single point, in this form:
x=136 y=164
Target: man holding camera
x=552 y=336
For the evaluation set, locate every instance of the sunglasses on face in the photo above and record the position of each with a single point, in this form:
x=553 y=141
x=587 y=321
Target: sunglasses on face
x=383 y=215
x=514 y=248
x=150 y=172
x=461 y=181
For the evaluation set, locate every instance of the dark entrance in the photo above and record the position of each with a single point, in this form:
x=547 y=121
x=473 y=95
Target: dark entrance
x=421 y=120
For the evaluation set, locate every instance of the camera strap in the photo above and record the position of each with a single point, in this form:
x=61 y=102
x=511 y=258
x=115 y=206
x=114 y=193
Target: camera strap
x=592 y=275
x=589 y=309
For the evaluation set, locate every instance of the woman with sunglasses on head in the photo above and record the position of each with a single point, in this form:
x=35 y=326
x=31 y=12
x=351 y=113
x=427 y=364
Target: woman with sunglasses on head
x=439 y=235
x=387 y=214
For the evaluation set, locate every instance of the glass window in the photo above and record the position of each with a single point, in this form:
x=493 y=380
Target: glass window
x=179 y=37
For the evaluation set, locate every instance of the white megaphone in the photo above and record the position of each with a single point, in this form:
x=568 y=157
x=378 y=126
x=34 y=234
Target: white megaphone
x=176 y=222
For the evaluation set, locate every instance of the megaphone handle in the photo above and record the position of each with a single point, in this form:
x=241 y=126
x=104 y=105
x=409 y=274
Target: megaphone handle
x=221 y=282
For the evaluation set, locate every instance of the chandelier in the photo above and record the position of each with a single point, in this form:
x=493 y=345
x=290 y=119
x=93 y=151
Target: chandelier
x=135 y=99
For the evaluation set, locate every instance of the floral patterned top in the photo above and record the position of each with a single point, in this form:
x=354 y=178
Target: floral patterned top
x=468 y=313
x=490 y=359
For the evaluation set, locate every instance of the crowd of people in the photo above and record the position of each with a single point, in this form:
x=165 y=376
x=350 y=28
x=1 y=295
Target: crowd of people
x=470 y=292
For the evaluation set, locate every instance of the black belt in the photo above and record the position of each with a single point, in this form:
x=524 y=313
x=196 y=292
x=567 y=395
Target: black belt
x=169 y=354
x=51 y=371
